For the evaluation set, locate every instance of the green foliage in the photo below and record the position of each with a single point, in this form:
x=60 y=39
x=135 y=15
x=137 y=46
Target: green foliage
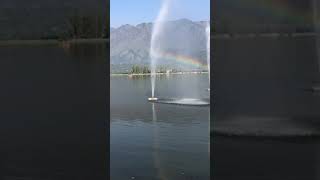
x=163 y=69
x=145 y=70
x=85 y=26
x=135 y=69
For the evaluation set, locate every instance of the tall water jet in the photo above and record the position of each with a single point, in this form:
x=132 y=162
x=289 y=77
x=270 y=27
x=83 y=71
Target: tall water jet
x=208 y=48
x=208 y=63
x=155 y=45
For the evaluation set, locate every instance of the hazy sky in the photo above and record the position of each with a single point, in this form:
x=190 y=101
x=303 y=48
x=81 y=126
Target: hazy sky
x=138 y=11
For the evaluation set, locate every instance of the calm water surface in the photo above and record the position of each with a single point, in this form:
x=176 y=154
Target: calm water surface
x=159 y=141
x=53 y=112
x=262 y=78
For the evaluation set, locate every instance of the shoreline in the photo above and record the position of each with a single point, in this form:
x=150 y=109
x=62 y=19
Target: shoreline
x=149 y=74
x=52 y=42
x=106 y=40
x=260 y=35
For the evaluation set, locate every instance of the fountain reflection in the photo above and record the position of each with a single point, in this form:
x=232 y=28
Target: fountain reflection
x=156 y=157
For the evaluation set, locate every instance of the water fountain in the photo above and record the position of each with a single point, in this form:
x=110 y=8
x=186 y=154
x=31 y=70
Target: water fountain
x=158 y=26
x=208 y=49
x=157 y=50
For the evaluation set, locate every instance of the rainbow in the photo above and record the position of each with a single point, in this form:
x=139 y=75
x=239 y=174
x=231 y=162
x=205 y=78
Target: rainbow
x=278 y=8
x=187 y=60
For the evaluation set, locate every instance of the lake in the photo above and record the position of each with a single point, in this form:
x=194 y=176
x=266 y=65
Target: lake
x=53 y=112
x=262 y=91
x=159 y=141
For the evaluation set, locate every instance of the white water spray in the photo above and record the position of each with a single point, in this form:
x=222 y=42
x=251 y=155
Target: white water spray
x=208 y=63
x=208 y=48
x=155 y=45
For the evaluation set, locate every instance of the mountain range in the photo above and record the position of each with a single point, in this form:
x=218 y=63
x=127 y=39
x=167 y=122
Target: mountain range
x=130 y=44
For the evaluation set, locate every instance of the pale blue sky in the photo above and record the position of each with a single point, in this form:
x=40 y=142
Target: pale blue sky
x=138 y=11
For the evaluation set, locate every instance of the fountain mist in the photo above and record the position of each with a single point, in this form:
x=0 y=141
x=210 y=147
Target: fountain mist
x=208 y=48
x=154 y=45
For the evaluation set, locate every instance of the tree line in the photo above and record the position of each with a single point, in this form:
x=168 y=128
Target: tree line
x=86 y=26
x=82 y=26
x=136 y=69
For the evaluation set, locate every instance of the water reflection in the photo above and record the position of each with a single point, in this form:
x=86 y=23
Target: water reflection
x=168 y=141
x=260 y=90
x=242 y=158
x=86 y=52
x=157 y=160
x=53 y=113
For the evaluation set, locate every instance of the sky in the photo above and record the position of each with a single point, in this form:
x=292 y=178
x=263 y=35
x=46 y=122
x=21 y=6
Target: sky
x=139 y=11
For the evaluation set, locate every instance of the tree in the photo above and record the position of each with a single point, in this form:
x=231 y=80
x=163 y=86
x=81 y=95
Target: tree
x=86 y=26
x=145 y=70
x=75 y=24
x=135 y=69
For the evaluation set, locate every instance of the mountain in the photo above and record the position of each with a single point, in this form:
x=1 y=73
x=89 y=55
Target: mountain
x=130 y=44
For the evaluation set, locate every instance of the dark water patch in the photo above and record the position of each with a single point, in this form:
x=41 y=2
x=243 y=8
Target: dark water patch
x=265 y=123
x=53 y=113
x=272 y=127
x=242 y=158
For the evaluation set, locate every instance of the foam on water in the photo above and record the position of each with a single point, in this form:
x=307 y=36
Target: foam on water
x=184 y=101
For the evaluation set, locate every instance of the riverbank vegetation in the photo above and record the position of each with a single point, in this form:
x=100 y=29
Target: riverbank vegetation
x=138 y=69
x=70 y=23
x=86 y=26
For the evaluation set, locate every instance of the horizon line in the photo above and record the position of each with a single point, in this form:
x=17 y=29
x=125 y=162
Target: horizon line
x=153 y=22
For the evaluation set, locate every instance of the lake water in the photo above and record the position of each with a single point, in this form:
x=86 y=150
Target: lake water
x=54 y=115
x=159 y=141
x=53 y=112
x=260 y=87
